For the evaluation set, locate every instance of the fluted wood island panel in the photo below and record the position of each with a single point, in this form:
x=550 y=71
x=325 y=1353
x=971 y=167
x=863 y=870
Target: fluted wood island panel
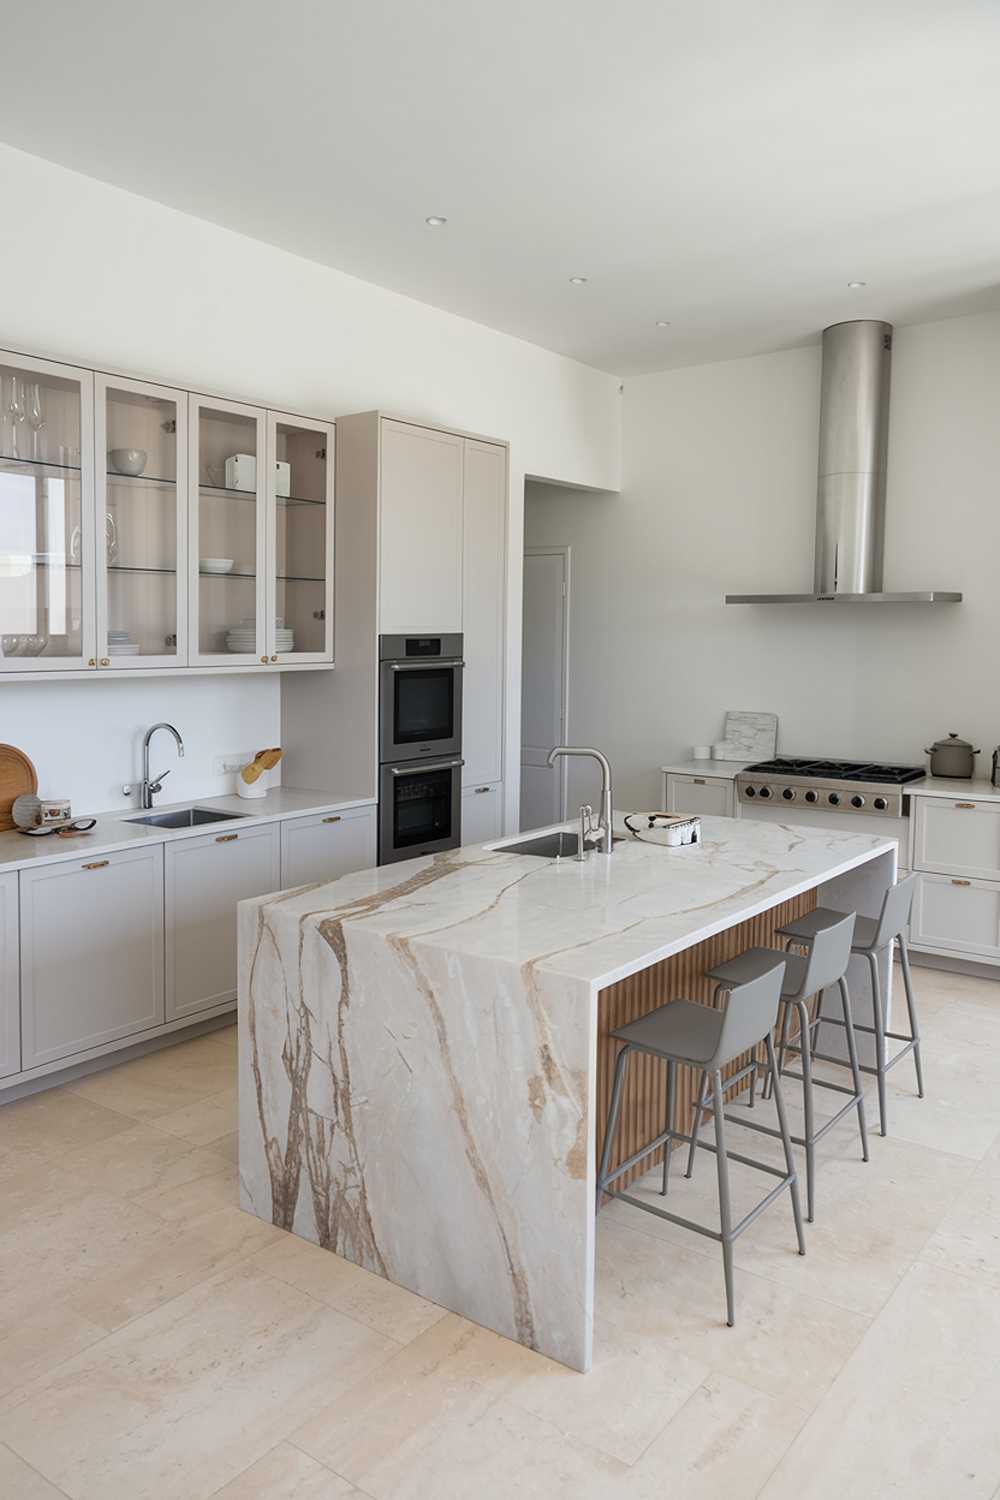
x=420 y=1089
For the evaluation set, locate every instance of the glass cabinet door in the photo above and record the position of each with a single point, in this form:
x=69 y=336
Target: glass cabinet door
x=228 y=534
x=300 y=539
x=46 y=517
x=141 y=524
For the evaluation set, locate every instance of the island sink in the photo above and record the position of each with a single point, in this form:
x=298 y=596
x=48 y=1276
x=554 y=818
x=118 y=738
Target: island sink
x=560 y=845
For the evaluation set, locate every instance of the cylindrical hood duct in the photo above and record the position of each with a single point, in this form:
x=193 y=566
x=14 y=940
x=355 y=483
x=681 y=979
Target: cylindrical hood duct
x=853 y=433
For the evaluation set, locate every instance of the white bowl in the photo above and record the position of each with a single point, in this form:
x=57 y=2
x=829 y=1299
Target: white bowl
x=216 y=564
x=128 y=460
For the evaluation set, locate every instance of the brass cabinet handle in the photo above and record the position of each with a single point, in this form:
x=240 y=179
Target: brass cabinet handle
x=226 y=838
x=105 y=661
x=97 y=864
x=264 y=660
x=274 y=658
x=698 y=780
x=480 y=790
x=961 y=882
x=332 y=820
x=92 y=662
x=965 y=804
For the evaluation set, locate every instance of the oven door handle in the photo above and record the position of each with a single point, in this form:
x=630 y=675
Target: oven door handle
x=426 y=664
x=437 y=765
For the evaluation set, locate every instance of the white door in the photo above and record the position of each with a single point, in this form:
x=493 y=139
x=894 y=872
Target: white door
x=420 y=537
x=484 y=571
x=324 y=846
x=544 y=684
x=91 y=952
x=205 y=878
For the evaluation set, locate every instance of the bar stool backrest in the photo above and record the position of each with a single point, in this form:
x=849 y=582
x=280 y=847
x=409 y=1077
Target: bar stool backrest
x=750 y=1015
x=895 y=911
x=829 y=955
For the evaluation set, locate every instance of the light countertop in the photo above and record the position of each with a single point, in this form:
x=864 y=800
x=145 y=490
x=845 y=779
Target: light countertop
x=725 y=769
x=955 y=791
x=115 y=830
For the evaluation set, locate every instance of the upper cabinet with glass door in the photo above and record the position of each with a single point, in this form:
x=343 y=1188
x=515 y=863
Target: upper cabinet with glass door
x=300 y=540
x=47 y=620
x=228 y=538
x=142 y=486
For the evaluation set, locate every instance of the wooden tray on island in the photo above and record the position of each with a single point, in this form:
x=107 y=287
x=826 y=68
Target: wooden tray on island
x=17 y=776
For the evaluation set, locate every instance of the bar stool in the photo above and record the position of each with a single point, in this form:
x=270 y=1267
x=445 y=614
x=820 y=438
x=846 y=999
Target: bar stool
x=824 y=966
x=682 y=1032
x=872 y=938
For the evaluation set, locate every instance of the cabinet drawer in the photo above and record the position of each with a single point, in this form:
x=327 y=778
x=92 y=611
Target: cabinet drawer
x=957 y=837
x=957 y=914
x=205 y=879
x=91 y=952
x=481 y=813
x=700 y=794
x=324 y=846
x=10 y=996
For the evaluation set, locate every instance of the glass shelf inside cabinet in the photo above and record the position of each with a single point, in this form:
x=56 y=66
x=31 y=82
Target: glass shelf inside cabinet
x=140 y=552
x=36 y=467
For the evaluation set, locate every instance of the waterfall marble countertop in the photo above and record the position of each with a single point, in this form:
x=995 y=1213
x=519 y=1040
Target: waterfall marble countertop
x=418 y=1051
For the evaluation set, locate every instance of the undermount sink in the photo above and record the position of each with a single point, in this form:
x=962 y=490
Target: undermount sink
x=561 y=845
x=185 y=817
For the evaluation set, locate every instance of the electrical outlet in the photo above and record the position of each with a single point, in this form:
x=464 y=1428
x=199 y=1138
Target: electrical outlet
x=235 y=761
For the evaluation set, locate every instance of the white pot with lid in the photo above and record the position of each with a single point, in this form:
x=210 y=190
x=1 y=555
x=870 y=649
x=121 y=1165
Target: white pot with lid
x=953 y=757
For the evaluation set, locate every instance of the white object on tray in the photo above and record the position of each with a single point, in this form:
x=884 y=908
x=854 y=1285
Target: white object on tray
x=749 y=736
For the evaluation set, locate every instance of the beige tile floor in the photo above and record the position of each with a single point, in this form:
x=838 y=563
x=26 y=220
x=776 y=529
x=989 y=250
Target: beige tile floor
x=156 y=1342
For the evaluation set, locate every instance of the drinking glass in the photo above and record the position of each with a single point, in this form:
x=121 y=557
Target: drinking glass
x=36 y=420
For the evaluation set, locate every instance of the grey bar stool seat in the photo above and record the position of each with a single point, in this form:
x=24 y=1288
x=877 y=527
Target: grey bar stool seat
x=708 y=1040
x=803 y=978
x=873 y=937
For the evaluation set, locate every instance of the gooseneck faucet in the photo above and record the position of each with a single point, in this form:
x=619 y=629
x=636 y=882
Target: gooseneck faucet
x=148 y=786
x=601 y=835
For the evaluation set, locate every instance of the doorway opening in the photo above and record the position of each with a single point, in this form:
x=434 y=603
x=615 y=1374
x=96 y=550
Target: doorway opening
x=544 y=684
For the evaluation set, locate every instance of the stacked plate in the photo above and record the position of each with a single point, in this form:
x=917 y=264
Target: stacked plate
x=120 y=643
x=242 y=638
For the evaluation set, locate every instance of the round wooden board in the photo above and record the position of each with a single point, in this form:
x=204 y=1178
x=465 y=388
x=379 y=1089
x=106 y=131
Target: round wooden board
x=17 y=775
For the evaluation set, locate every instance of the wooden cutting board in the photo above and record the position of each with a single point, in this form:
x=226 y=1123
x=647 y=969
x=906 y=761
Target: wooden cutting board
x=17 y=775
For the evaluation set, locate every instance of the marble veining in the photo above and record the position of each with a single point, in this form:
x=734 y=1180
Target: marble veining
x=418 y=1045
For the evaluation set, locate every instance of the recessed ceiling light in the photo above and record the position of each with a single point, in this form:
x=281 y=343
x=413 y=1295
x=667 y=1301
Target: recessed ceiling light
x=662 y=323
x=853 y=286
x=578 y=281
x=435 y=220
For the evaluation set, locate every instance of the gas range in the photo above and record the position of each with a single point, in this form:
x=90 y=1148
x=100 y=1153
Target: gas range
x=851 y=786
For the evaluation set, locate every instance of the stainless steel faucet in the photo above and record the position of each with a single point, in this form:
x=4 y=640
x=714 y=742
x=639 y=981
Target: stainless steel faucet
x=150 y=785
x=601 y=834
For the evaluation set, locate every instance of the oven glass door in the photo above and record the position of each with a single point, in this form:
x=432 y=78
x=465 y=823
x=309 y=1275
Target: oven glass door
x=420 y=810
x=423 y=705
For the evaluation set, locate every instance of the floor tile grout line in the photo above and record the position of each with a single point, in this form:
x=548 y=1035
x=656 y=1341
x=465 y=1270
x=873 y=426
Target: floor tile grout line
x=31 y=1466
x=324 y=1465
x=359 y=1322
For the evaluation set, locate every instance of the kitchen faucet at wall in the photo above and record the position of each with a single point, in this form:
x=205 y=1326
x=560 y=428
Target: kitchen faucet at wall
x=149 y=786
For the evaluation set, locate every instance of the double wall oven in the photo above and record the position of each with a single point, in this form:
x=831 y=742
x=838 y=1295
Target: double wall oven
x=420 y=745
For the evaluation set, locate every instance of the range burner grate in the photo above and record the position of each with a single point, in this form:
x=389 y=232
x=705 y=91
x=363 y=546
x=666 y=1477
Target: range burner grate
x=837 y=770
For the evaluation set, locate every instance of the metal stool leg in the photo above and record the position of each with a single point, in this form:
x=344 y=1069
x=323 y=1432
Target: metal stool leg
x=786 y=1021
x=786 y=1141
x=612 y=1125
x=699 y=1110
x=852 y=1052
x=879 y=1024
x=807 y=1104
x=904 y=964
x=668 y=1144
x=725 y=1202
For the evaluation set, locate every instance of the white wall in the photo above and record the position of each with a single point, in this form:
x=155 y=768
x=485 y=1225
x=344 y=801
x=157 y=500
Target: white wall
x=101 y=277
x=719 y=495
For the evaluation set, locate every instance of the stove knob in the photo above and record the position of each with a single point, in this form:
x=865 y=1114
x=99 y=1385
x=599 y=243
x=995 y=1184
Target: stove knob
x=748 y=791
x=788 y=794
x=765 y=791
x=834 y=799
x=810 y=796
x=857 y=801
x=880 y=804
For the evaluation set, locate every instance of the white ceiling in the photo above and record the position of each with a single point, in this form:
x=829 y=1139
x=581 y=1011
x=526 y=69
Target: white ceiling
x=728 y=165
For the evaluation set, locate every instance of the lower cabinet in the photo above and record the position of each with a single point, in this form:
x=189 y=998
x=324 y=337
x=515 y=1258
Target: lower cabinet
x=323 y=846
x=10 y=1007
x=482 y=813
x=955 y=914
x=91 y=952
x=205 y=878
x=700 y=794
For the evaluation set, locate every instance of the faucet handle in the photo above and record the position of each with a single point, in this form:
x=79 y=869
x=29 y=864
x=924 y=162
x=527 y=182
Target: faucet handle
x=156 y=782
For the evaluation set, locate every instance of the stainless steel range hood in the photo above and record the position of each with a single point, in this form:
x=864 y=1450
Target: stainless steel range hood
x=850 y=500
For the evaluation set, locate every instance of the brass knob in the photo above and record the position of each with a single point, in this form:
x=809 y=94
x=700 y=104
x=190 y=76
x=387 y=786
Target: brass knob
x=274 y=658
x=105 y=661
x=264 y=660
x=92 y=662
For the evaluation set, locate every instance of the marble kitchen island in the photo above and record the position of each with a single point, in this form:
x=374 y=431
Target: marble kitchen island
x=424 y=1057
